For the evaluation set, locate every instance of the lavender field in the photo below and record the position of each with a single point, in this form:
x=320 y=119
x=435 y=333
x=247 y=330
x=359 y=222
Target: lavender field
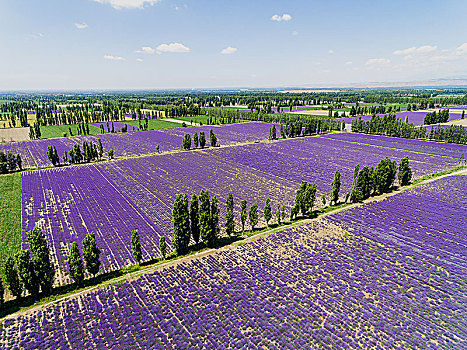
x=372 y=282
x=416 y=118
x=113 y=198
x=34 y=152
x=429 y=147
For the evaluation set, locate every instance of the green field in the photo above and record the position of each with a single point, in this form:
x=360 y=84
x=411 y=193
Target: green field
x=155 y=124
x=10 y=214
x=201 y=119
x=52 y=131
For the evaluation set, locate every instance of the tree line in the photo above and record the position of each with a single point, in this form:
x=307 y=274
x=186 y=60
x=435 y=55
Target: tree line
x=31 y=271
x=369 y=181
x=433 y=118
x=10 y=162
x=90 y=152
x=390 y=125
x=199 y=140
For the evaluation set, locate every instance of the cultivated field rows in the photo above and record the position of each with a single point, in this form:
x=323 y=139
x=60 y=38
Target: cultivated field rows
x=114 y=198
x=34 y=152
x=360 y=285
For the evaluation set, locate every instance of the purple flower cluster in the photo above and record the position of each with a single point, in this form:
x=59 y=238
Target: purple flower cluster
x=113 y=198
x=380 y=285
x=117 y=126
x=428 y=147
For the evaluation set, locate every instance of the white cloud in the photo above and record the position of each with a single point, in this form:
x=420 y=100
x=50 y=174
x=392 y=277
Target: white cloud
x=348 y=63
x=114 y=58
x=128 y=4
x=294 y=33
x=229 y=50
x=139 y=60
x=172 y=47
x=414 y=50
x=462 y=49
x=81 y=25
x=377 y=62
x=331 y=52
x=285 y=17
x=146 y=49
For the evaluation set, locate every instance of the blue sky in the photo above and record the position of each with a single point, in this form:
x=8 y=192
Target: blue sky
x=144 y=44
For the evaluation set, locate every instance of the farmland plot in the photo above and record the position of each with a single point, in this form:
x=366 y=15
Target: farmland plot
x=34 y=152
x=113 y=198
x=429 y=147
x=316 y=286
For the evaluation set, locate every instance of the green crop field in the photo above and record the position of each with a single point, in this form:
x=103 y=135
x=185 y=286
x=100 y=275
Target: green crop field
x=52 y=131
x=10 y=214
x=155 y=124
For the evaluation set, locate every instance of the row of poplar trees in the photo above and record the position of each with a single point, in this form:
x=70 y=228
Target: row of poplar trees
x=370 y=181
x=198 y=220
x=31 y=271
x=90 y=152
x=199 y=140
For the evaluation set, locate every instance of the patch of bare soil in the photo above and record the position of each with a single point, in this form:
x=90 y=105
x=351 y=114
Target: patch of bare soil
x=14 y=134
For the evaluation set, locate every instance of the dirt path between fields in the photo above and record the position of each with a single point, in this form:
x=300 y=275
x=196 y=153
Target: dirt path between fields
x=181 y=122
x=134 y=275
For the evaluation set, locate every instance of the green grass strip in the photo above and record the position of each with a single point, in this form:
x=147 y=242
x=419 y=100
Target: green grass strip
x=10 y=216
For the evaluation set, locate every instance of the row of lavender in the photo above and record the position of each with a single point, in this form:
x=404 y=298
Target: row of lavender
x=309 y=287
x=113 y=198
x=34 y=152
x=429 y=147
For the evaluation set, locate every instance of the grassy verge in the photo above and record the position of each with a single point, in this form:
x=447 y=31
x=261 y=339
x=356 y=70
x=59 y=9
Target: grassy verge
x=439 y=173
x=156 y=124
x=53 y=131
x=10 y=215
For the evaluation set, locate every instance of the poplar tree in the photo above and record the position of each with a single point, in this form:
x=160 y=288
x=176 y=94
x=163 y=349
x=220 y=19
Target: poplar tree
x=12 y=279
x=205 y=224
x=385 y=174
x=304 y=199
x=202 y=139
x=267 y=211
x=19 y=162
x=195 y=140
x=43 y=267
x=26 y=272
x=336 y=186
x=187 y=142
x=243 y=213
x=75 y=265
x=100 y=148
x=354 y=182
x=181 y=224
x=194 y=218
x=229 y=216
x=162 y=246
x=91 y=254
x=214 y=221
x=278 y=215
x=136 y=246
x=253 y=216
x=405 y=173
x=363 y=184
x=213 y=138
